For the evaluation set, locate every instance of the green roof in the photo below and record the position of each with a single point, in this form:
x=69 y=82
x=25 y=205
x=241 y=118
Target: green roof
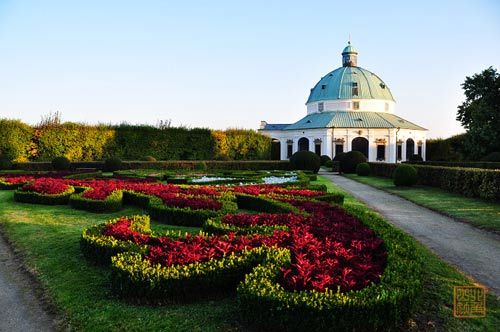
x=338 y=84
x=349 y=49
x=352 y=119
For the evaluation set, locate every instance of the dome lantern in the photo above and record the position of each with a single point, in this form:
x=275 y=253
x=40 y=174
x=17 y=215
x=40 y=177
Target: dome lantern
x=349 y=56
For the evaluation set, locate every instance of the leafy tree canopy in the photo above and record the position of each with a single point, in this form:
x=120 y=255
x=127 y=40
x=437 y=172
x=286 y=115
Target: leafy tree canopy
x=479 y=114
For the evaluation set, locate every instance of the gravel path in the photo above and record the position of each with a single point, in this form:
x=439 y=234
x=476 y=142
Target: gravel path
x=20 y=310
x=471 y=250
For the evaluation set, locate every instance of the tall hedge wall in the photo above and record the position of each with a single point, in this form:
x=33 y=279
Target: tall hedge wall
x=15 y=139
x=81 y=142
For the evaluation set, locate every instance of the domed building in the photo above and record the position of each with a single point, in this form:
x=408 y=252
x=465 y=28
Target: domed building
x=350 y=108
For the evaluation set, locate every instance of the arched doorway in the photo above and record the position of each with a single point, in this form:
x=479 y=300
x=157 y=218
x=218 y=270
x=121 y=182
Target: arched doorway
x=360 y=144
x=275 y=149
x=410 y=148
x=303 y=144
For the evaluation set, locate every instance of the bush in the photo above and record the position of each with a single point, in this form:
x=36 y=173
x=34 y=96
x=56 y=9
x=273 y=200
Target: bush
x=113 y=164
x=339 y=156
x=61 y=164
x=350 y=160
x=494 y=156
x=363 y=169
x=329 y=164
x=324 y=158
x=149 y=158
x=415 y=157
x=305 y=160
x=5 y=162
x=405 y=175
x=201 y=166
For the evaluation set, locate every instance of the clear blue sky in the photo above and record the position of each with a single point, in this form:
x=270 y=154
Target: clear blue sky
x=233 y=63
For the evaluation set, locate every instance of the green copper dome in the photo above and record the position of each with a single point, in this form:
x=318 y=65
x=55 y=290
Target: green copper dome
x=350 y=82
x=349 y=49
x=341 y=84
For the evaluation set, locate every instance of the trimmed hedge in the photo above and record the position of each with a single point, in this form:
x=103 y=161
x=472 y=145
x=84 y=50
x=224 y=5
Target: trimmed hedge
x=112 y=203
x=335 y=198
x=46 y=199
x=263 y=204
x=216 y=226
x=76 y=141
x=173 y=165
x=470 y=182
x=463 y=164
x=185 y=216
x=132 y=276
x=100 y=248
x=265 y=303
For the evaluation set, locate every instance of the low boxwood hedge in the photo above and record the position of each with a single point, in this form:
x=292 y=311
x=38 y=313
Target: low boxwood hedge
x=133 y=276
x=185 y=216
x=216 y=226
x=263 y=204
x=379 y=307
x=100 y=248
x=112 y=203
x=46 y=199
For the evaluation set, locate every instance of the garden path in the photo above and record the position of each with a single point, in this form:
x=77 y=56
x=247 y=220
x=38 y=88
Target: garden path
x=20 y=310
x=471 y=250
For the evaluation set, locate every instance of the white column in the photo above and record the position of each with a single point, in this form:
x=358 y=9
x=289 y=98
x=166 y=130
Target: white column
x=403 y=150
x=424 y=148
x=311 y=143
x=372 y=147
x=283 y=149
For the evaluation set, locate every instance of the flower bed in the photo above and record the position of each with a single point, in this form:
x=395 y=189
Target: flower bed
x=46 y=191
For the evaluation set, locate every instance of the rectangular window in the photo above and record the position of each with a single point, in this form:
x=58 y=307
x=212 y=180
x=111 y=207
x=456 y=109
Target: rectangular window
x=339 y=148
x=354 y=88
x=420 y=150
x=400 y=151
x=386 y=106
x=317 y=149
x=380 y=152
x=289 y=150
x=321 y=107
x=355 y=105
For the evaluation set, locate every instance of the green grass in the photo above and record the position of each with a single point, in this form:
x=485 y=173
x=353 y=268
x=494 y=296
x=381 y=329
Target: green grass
x=479 y=213
x=436 y=307
x=48 y=238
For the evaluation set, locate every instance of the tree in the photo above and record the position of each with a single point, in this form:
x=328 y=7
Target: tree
x=479 y=114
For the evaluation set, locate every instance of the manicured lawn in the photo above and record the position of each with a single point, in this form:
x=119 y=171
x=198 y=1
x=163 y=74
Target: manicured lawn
x=436 y=308
x=477 y=212
x=48 y=237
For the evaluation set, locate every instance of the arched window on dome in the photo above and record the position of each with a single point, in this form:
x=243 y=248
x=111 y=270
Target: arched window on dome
x=355 y=91
x=303 y=144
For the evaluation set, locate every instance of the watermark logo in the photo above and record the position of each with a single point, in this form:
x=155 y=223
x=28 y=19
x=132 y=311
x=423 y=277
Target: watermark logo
x=469 y=301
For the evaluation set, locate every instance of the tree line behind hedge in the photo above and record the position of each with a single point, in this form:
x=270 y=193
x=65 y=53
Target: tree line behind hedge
x=81 y=142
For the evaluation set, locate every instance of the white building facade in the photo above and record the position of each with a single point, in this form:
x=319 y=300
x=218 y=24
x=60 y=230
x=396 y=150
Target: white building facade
x=349 y=109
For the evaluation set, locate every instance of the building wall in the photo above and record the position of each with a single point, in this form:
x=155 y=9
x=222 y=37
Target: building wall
x=375 y=136
x=368 y=105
